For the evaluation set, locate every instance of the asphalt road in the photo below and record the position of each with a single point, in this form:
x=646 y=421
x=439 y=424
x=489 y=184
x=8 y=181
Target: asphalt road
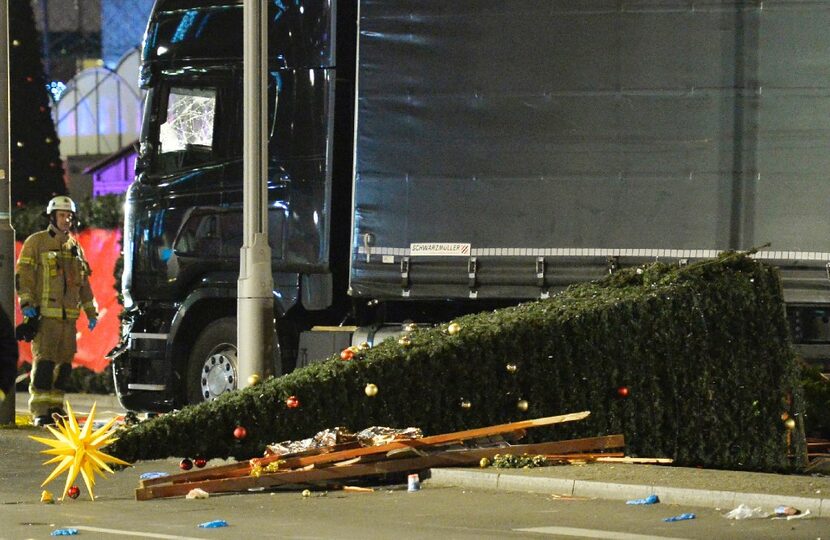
x=437 y=512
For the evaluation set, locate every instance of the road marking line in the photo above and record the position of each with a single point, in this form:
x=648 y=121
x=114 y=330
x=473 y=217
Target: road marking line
x=595 y=533
x=133 y=533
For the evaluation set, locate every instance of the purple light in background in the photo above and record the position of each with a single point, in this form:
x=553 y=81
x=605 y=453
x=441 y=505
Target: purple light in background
x=115 y=177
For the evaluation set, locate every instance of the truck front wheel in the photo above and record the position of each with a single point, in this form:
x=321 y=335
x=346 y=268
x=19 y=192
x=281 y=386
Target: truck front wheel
x=212 y=366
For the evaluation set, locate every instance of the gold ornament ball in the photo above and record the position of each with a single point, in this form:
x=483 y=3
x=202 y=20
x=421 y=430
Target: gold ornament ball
x=465 y=404
x=254 y=379
x=16 y=43
x=32 y=178
x=511 y=368
x=484 y=463
x=453 y=329
x=371 y=390
x=364 y=346
x=405 y=341
x=48 y=140
x=785 y=415
x=20 y=144
x=306 y=493
x=522 y=405
x=789 y=423
x=411 y=327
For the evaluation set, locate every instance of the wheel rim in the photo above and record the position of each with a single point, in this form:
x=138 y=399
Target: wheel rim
x=219 y=371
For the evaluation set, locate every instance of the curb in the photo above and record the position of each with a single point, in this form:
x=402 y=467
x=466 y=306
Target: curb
x=77 y=401
x=603 y=490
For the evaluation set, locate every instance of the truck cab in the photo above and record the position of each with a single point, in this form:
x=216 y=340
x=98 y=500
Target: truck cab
x=183 y=224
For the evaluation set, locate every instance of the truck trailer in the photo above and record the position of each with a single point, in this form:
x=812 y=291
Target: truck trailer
x=430 y=159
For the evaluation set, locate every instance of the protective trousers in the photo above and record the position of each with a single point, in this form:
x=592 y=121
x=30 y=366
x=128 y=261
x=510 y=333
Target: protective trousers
x=53 y=350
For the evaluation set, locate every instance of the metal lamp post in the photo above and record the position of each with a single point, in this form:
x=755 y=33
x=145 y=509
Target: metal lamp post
x=255 y=301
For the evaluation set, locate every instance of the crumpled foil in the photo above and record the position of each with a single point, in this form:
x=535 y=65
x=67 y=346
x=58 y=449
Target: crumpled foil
x=373 y=436
x=378 y=435
x=323 y=439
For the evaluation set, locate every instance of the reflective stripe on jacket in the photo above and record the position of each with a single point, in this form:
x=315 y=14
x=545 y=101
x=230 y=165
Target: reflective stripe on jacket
x=53 y=275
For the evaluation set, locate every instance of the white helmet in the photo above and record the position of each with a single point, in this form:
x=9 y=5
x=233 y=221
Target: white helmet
x=61 y=202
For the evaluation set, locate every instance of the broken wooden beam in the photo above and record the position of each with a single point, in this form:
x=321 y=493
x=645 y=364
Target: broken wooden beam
x=314 y=475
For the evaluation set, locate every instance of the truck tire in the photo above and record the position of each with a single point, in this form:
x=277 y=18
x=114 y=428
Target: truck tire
x=212 y=366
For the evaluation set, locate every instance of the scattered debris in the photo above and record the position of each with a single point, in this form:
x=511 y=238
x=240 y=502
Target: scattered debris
x=525 y=461
x=64 y=532
x=341 y=436
x=651 y=499
x=336 y=464
x=800 y=515
x=197 y=493
x=557 y=497
x=784 y=511
x=743 y=511
x=358 y=489
x=413 y=482
x=681 y=517
x=151 y=475
x=215 y=524
x=47 y=497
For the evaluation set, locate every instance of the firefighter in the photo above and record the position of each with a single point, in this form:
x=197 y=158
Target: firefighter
x=52 y=283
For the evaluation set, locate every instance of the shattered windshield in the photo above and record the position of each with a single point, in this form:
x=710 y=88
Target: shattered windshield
x=186 y=137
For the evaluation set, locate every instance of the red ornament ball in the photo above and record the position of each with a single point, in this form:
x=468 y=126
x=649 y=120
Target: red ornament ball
x=347 y=354
x=200 y=462
x=292 y=402
x=73 y=492
x=623 y=391
x=29 y=78
x=185 y=464
x=240 y=432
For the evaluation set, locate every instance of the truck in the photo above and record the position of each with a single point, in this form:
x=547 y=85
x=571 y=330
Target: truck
x=432 y=159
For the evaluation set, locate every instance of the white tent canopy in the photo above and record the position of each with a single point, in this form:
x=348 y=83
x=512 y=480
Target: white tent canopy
x=100 y=111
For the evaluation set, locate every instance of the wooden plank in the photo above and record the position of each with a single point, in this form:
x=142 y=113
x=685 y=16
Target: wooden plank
x=358 y=489
x=645 y=461
x=819 y=464
x=582 y=456
x=357 y=470
x=244 y=468
x=224 y=471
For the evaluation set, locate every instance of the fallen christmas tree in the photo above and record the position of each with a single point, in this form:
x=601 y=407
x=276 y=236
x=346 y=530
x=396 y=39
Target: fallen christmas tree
x=691 y=363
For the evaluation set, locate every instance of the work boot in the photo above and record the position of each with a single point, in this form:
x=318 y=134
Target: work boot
x=44 y=420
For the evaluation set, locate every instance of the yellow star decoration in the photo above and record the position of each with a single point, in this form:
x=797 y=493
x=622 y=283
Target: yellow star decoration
x=79 y=450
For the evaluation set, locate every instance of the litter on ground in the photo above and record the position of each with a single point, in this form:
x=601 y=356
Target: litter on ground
x=651 y=499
